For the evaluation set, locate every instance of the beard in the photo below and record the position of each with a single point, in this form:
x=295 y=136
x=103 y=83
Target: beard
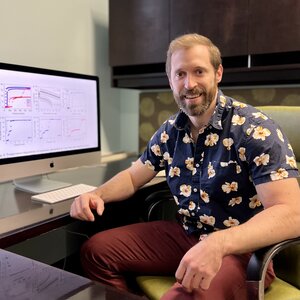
x=191 y=109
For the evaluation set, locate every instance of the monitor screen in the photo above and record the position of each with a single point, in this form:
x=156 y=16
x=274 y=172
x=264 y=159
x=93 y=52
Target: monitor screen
x=49 y=120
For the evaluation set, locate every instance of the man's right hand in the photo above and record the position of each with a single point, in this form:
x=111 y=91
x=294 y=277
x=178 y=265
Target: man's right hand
x=83 y=205
x=120 y=187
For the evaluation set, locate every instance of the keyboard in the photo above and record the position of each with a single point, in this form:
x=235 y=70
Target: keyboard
x=63 y=193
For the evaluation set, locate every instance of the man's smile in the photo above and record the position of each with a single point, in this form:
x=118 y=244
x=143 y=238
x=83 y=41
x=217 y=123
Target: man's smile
x=193 y=96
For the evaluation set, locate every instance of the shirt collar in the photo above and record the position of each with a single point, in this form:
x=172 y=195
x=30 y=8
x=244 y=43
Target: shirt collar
x=181 y=120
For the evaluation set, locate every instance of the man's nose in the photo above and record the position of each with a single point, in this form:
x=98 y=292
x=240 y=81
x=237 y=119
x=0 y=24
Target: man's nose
x=190 y=82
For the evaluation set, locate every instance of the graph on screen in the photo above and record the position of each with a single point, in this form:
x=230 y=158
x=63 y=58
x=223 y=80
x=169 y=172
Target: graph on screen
x=19 y=131
x=18 y=98
x=49 y=100
x=46 y=113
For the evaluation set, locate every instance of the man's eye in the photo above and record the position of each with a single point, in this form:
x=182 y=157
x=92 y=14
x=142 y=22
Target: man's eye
x=199 y=72
x=179 y=74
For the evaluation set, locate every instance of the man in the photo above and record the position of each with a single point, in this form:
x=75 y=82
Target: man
x=232 y=174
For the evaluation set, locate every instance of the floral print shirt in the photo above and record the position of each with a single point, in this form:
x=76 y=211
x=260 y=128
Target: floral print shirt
x=213 y=179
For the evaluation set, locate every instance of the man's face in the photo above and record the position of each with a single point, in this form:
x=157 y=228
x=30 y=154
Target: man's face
x=193 y=79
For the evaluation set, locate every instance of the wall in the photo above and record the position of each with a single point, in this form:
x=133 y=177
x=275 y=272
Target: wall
x=156 y=107
x=71 y=35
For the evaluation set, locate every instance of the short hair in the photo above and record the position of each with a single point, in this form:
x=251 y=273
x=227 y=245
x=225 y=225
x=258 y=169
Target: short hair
x=187 y=41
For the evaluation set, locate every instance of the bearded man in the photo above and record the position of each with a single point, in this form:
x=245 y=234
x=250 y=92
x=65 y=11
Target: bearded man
x=232 y=173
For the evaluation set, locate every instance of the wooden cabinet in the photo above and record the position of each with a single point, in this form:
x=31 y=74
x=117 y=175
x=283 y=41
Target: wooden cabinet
x=274 y=26
x=138 y=31
x=224 y=22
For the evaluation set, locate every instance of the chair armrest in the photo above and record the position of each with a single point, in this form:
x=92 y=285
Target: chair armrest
x=258 y=264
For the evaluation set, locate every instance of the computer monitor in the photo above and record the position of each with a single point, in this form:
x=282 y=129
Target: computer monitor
x=49 y=121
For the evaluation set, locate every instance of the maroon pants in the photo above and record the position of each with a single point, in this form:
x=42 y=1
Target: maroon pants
x=156 y=248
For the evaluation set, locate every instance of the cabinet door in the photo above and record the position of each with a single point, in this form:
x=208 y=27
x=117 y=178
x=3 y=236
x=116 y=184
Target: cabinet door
x=224 y=22
x=274 y=26
x=139 y=31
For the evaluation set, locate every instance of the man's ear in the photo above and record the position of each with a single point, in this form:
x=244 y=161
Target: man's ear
x=219 y=73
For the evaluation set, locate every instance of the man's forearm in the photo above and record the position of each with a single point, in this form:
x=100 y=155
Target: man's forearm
x=270 y=226
x=118 y=188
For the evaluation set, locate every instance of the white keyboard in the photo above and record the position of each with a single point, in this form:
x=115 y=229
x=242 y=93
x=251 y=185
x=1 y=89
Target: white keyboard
x=63 y=193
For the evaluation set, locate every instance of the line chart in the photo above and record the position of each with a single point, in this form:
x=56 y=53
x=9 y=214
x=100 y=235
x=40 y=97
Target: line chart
x=18 y=98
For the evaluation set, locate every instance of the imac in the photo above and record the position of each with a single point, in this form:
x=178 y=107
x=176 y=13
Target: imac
x=49 y=121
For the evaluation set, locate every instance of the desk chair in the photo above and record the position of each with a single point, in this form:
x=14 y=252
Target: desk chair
x=286 y=254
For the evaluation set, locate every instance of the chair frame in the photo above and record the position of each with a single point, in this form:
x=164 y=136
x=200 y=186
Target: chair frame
x=258 y=264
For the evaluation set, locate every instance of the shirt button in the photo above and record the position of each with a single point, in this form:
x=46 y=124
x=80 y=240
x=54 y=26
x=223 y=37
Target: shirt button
x=197 y=165
x=195 y=190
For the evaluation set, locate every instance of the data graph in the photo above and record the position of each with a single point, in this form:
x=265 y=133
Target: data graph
x=75 y=101
x=75 y=127
x=19 y=131
x=50 y=129
x=18 y=98
x=49 y=100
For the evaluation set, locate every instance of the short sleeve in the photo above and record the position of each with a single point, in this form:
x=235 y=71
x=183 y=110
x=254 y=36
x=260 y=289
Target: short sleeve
x=268 y=152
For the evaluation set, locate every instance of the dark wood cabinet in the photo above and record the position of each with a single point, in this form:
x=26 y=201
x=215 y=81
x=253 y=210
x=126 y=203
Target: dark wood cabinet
x=258 y=38
x=274 y=26
x=138 y=31
x=224 y=22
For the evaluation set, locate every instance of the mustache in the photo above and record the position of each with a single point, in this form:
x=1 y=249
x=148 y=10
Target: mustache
x=191 y=93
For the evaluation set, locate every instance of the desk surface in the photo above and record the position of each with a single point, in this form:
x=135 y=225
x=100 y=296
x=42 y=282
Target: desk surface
x=23 y=278
x=18 y=212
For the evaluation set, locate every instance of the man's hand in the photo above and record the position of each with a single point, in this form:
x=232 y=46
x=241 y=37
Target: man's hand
x=83 y=205
x=200 y=264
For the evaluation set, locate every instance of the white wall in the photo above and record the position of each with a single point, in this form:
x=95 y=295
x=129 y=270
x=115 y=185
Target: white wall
x=71 y=35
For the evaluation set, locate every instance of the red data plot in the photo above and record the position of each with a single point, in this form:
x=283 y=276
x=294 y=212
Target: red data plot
x=18 y=97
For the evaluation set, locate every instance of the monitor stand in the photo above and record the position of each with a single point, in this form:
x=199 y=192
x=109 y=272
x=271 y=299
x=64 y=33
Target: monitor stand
x=38 y=184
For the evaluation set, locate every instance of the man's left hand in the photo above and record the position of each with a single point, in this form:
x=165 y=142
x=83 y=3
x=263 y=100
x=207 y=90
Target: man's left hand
x=200 y=264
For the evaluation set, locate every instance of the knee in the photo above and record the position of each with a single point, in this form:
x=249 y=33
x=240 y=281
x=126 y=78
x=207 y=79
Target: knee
x=93 y=249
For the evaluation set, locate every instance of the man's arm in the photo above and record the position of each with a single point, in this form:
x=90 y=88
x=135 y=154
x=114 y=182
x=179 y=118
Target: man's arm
x=278 y=221
x=120 y=187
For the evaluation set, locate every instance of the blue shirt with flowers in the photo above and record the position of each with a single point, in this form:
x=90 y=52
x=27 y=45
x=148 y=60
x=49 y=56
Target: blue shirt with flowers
x=213 y=179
